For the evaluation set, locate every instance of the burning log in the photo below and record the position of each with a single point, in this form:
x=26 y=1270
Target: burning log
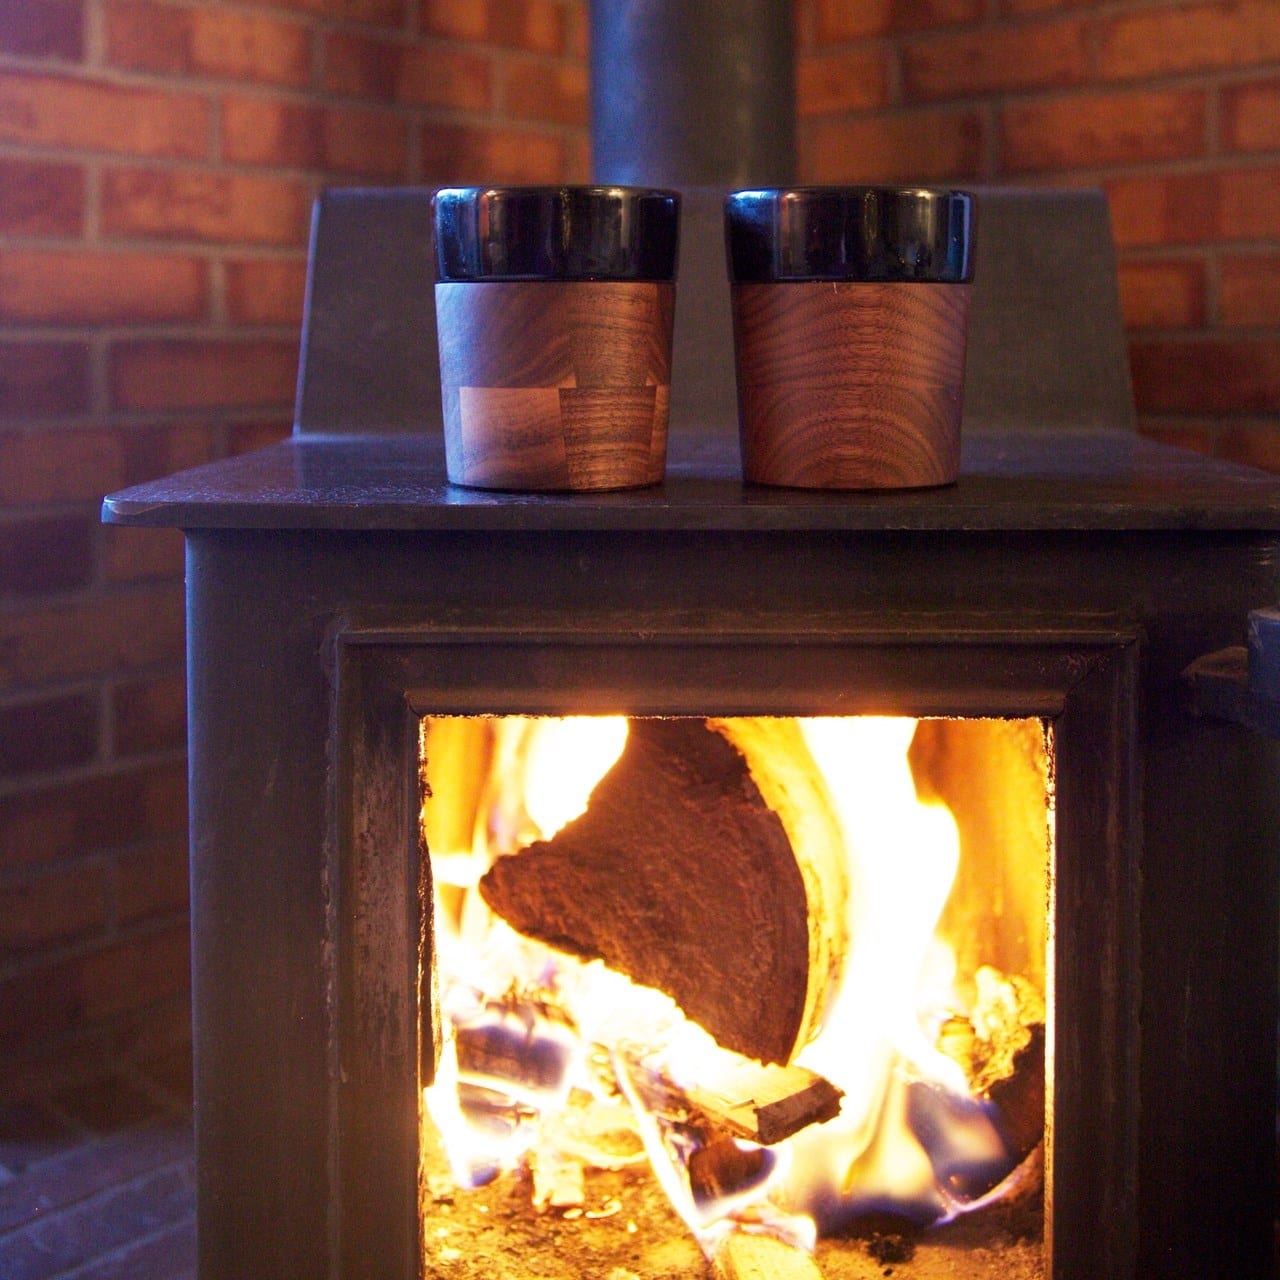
x=709 y=865
x=765 y=1104
x=1020 y=1097
x=559 y=1182
x=514 y=1045
x=723 y=1168
x=743 y=1256
x=1006 y=1062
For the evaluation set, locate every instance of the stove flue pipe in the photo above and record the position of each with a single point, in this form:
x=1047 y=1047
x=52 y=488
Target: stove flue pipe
x=698 y=95
x=688 y=93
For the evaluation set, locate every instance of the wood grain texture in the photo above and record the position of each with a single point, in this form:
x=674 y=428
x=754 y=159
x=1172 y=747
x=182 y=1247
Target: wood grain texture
x=850 y=385
x=555 y=384
x=607 y=432
x=508 y=432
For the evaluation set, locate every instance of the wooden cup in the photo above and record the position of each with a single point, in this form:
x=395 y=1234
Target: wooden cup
x=555 y=385
x=850 y=328
x=555 y=309
x=850 y=386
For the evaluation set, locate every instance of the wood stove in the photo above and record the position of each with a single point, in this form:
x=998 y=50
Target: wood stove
x=340 y=591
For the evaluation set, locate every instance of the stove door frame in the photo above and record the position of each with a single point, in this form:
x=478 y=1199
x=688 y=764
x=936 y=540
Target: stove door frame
x=1083 y=683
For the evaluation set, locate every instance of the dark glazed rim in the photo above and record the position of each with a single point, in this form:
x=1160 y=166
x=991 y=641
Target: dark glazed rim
x=896 y=234
x=556 y=233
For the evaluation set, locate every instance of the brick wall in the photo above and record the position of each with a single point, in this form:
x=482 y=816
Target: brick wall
x=158 y=159
x=157 y=162
x=1171 y=106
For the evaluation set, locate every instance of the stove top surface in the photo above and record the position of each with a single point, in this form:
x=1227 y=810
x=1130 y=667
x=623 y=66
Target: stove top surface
x=1010 y=481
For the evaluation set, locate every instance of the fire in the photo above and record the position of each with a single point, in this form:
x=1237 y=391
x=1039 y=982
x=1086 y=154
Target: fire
x=558 y=1064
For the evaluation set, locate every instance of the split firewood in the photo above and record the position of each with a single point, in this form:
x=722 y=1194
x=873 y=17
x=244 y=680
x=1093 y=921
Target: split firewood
x=764 y=1104
x=1020 y=1097
x=743 y=1256
x=558 y=1181
x=515 y=1045
x=708 y=864
x=734 y=1097
x=726 y=1168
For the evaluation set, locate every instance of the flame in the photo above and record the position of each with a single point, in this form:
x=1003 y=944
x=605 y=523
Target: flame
x=565 y=759
x=528 y=1028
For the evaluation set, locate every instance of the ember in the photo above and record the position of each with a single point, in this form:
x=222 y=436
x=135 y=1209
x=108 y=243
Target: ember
x=782 y=881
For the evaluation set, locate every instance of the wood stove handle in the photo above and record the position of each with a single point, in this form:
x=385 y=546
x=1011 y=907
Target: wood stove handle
x=1242 y=683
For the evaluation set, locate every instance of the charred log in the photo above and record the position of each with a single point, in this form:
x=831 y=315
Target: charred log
x=708 y=864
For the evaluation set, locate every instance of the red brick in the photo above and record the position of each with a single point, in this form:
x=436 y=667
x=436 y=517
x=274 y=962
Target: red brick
x=159 y=1050
x=448 y=18
x=244 y=437
x=1198 y=437
x=68 y=286
x=46 y=554
x=364 y=142
x=107 y=1106
x=66 y=820
x=1091 y=131
x=1165 y=40
x=1213 y=376
x=382 y=13
x=916 y=146
x=830 y=83
x=577 y=36
x=39 y=199
x=804 y=25
x=577 y=157
x=58 y=908
x=1251 y=116
x=390 y=71
x=58 y=466
x=995 y=61
x=1194 y=208
x=147 y=967
x=1168 y=294
x=151 y=452
x=266 y=291
x=556 y=92
x=200 y=373
x=153 y=882
x=536 y=25
x=361 y=66
x=839 y=20
x=206 y=41
x=43 y=379
x=80 y=992
x=424 y=78
x=49 y=734
x=1158 y=210
x=475 y=153
x=265 y=131
x=43 y=29
x=199 y=205
x=122 y=633
x=136 y=555
x=150 y=715
x=1254 y=446
x=53 y=111
x=1018 y=7
x=1249 y=290
x=354 y=140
